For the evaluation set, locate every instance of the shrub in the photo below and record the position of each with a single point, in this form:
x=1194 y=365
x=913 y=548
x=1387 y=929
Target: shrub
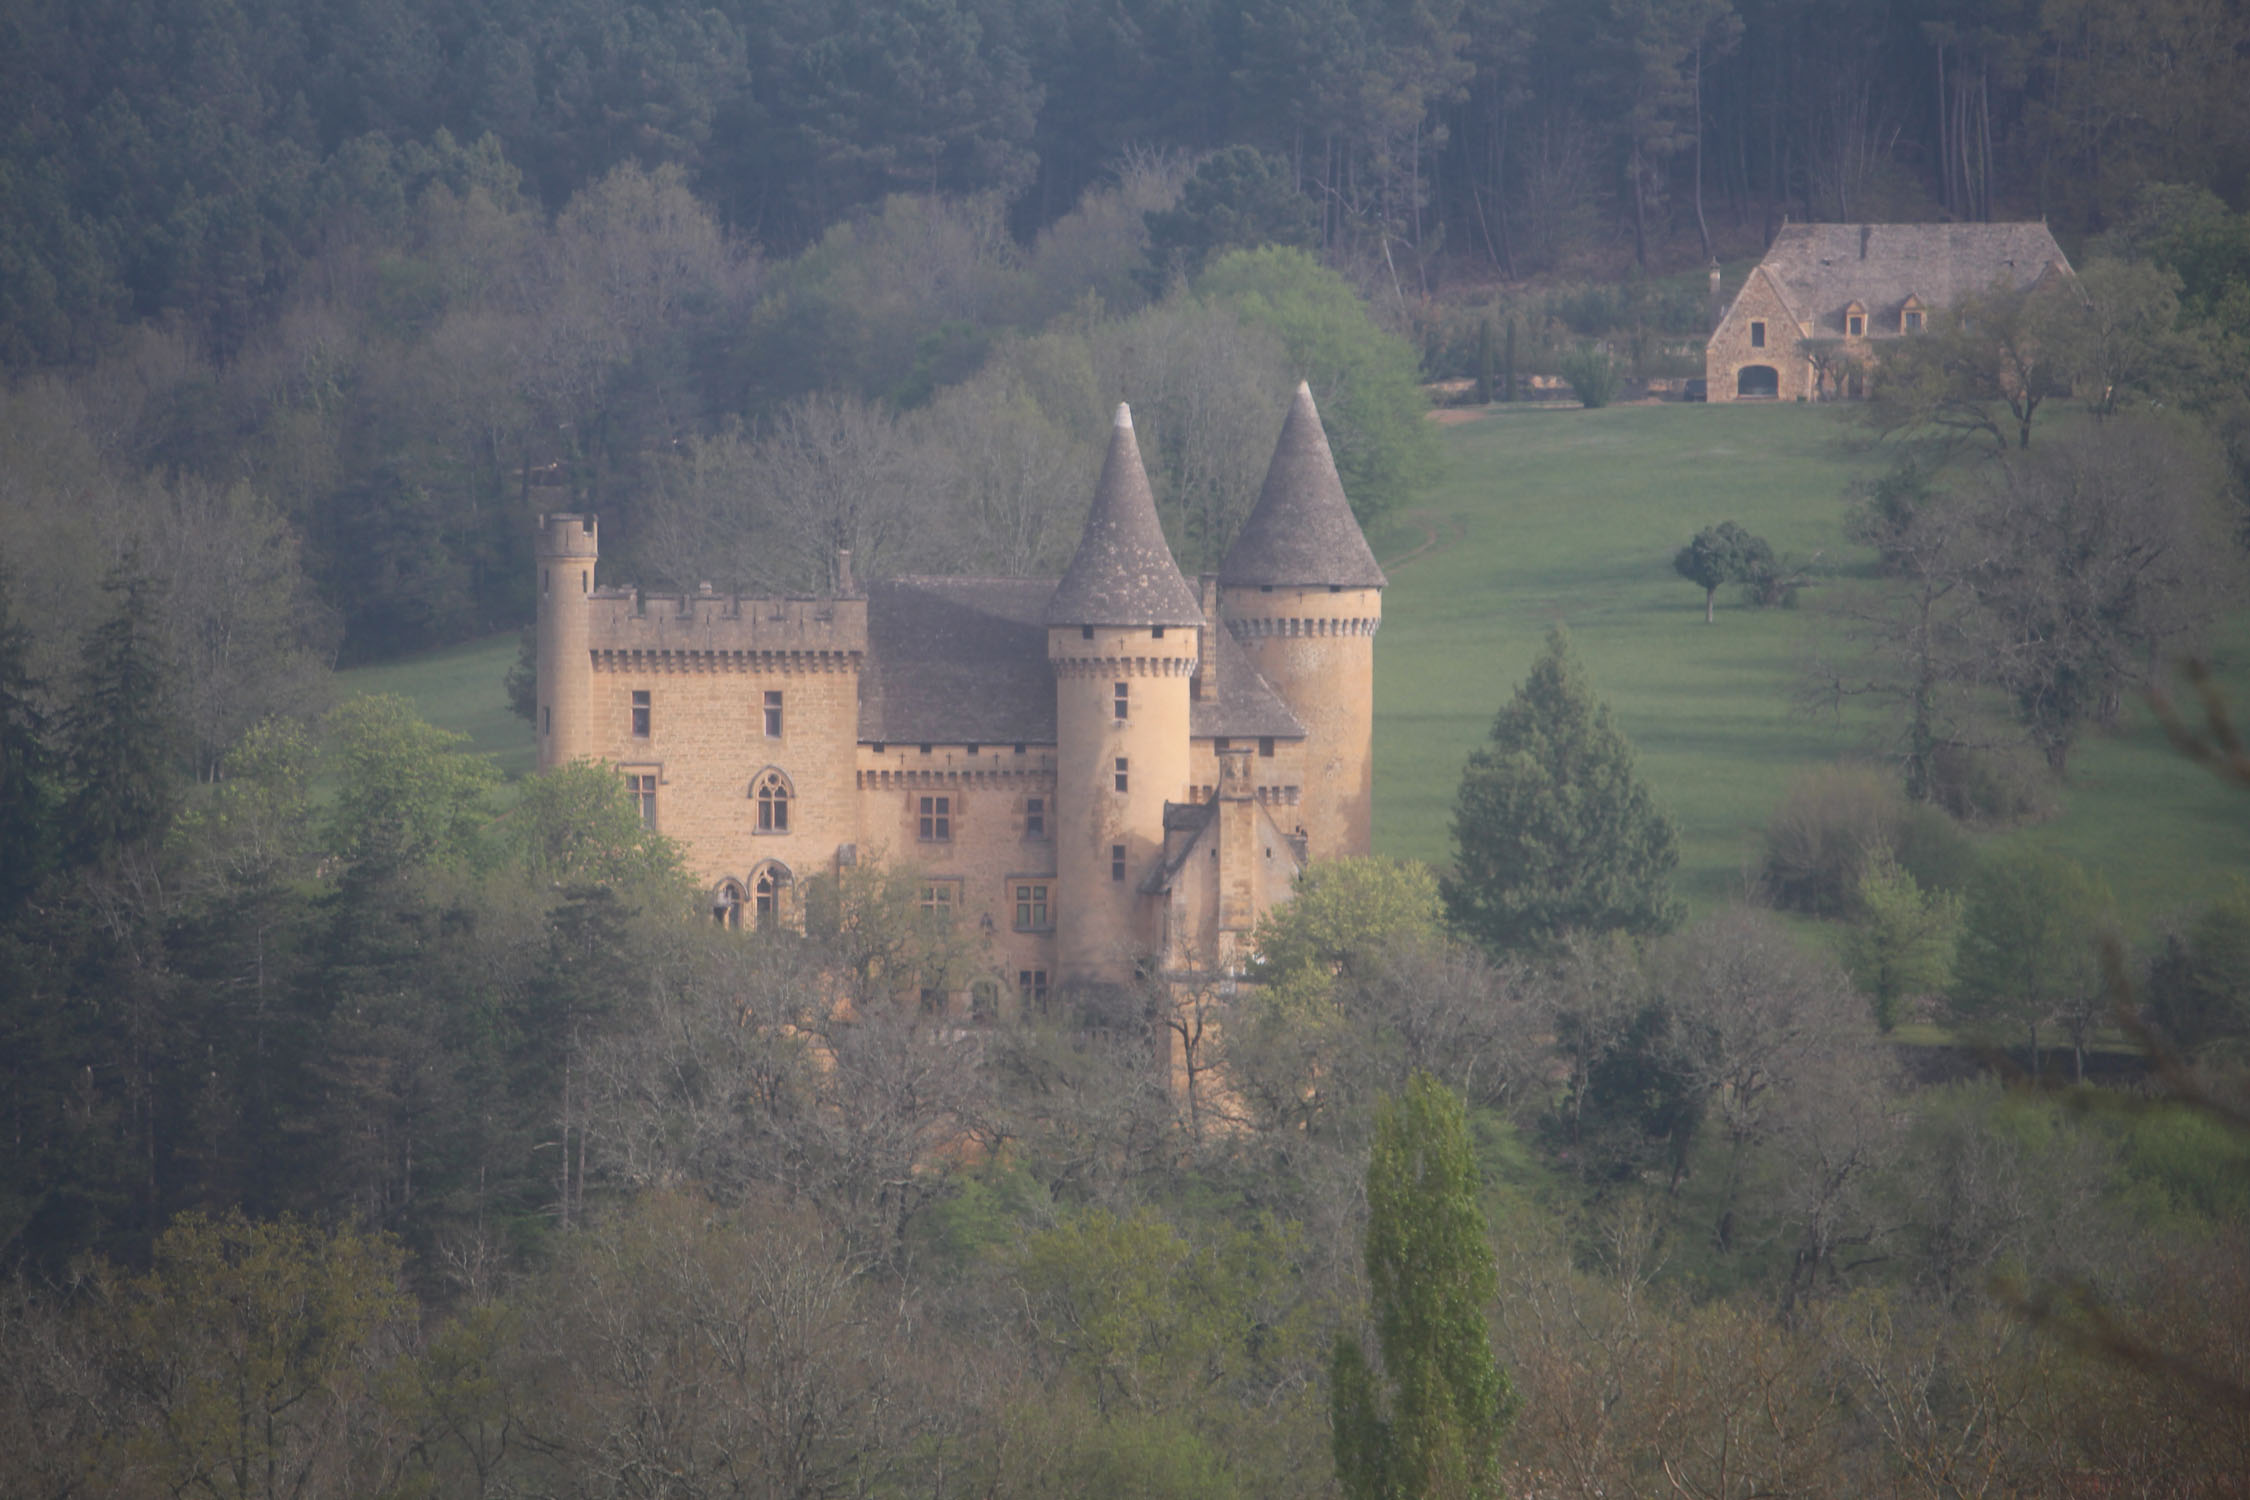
x=1591 y=374
x=1994 y=788
x=1836 y=820
x=1832 y=821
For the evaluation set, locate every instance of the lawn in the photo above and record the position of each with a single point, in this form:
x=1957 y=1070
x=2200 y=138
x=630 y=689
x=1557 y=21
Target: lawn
x=1553 y=515
x=1566 y=516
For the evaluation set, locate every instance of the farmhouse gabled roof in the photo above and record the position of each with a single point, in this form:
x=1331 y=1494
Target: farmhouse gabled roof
x=1123 y=572
x=1820 y=269
x=1302 y=531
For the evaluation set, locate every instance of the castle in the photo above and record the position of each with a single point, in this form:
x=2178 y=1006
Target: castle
x=1095 y=778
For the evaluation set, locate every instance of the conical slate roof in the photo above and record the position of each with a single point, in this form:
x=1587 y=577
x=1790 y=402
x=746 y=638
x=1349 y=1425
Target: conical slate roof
x=1302 y=530
x=1123 y=572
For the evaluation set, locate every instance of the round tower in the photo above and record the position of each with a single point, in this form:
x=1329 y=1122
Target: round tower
x=1121 y=637
x=567 y=547
x=1301 y=592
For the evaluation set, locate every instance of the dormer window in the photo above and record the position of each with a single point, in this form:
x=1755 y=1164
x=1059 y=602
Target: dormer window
x=1910 y=318
x=1855 y=321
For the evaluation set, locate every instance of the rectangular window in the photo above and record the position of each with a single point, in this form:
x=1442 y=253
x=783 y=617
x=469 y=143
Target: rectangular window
x=1265 y=746
x=1156 y=632
x=937 y=900
x=1121 y=773
x=773 y=713
x=935 y=825
x=642 y=789
x=1031 y=908
x=1855 y=325
x=1117 y=861
x=984 y=1001
x=1913 y=323
x=1124 y=700
x=933 y=1002
x=1034 y=817
x=640 y=715
x=1031 y=984
x=1757 y=334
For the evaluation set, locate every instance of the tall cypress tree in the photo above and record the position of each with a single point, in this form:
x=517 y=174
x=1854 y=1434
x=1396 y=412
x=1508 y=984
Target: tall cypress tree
x=28 y=795
x=121 y=741
x=1553 y=831
x=1429 y=1427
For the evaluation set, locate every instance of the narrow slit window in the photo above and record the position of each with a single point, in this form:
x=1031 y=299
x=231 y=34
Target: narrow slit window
x=1117 y=862
x=640 y=714
x=1121 y=774
x=1124 y=701
x=773 y=713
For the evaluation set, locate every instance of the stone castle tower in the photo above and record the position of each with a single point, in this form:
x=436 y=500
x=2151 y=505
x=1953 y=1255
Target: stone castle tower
x=1102 y=777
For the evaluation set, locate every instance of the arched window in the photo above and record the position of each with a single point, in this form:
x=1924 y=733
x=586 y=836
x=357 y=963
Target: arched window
x=773 y=794
x=726 y=904
x=769 y=894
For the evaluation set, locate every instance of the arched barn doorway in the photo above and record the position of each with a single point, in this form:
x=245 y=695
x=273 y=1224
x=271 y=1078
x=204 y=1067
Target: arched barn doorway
x=1757 y=382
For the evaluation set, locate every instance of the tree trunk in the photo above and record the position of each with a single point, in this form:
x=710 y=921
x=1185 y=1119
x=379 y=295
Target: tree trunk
x=1701 y=227
x=1710 y=596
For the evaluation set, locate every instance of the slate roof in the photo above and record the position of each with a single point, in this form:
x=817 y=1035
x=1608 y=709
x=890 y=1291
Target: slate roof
x=963 y=661
x=1822 y=268
x=1123 y=572
x=1246 y=705
x=957 y=661
x=1302 y=530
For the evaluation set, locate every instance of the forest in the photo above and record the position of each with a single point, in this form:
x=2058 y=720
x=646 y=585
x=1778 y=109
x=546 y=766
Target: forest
x=376 y=1127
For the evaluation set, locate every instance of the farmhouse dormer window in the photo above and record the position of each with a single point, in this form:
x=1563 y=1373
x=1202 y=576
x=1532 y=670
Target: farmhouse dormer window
x=1855 y=321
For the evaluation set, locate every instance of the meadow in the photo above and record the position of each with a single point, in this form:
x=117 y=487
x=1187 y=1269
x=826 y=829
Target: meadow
x=1551 y=515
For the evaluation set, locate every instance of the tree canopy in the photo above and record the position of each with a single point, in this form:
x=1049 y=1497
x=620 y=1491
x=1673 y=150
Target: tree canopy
x=1554 y=832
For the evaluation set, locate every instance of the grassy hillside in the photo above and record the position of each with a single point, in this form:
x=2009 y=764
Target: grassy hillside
x=1569 y=515
x=1572 y=516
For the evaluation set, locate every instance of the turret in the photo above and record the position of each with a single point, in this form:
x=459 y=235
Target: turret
x=1121 y=637
x=1302 y=592
x=567 y=548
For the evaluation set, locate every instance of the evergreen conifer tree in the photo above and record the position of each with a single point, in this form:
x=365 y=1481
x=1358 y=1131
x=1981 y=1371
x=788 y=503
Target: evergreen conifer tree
x=121 y=742
x=1553 y=832
x=27 y=790
x=1430 y=1275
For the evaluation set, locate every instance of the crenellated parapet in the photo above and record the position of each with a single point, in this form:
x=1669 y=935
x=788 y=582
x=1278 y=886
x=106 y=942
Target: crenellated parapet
x=726 y=630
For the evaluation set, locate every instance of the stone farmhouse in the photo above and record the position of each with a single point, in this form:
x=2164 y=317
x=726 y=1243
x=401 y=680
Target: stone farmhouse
x=1109 y=775
x=1817 y=310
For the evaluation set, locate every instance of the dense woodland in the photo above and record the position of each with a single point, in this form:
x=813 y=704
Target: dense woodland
x=369 y=1127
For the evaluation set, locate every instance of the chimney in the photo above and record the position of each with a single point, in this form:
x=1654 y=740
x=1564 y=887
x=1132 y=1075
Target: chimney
x=1866 y=233
x=1206 y=681
x=844 y=588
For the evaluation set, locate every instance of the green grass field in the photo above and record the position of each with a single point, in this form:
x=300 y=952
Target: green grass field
x=1563 y=515
x=1555 y=515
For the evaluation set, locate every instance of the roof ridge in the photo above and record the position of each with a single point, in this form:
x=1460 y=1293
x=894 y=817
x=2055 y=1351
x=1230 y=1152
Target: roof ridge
x=1302 y=530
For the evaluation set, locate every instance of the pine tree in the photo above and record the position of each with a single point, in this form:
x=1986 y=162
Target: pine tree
x=1553 y=832
x=1429 y=1426
x=121 y=742
x=27 y=783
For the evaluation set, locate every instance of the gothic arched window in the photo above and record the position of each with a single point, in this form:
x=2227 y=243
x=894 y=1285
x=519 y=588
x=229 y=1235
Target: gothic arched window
x=769 y=892
x=773 y=794
x=726 y=905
